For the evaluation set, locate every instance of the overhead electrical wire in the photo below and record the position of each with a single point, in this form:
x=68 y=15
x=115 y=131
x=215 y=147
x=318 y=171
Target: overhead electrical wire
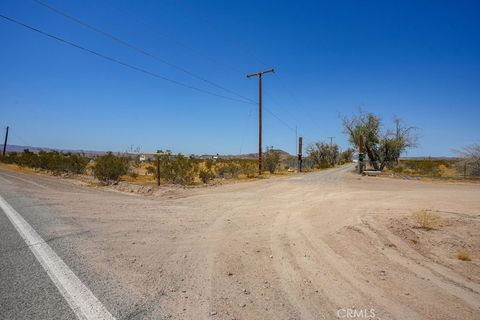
x=138 y=49
x=243 y=99
x=105 y=57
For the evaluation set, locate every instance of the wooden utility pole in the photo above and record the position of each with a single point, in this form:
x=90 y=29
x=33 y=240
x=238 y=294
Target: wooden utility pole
x=5 y=143
x=259 y=74
x=300 y=141
x=331 y=140
x=158 y=171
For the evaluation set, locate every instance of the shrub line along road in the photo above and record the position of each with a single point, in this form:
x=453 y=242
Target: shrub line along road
x=300 y=247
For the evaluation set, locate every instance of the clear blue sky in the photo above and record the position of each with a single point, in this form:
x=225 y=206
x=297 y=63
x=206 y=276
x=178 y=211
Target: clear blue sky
x=419 y=60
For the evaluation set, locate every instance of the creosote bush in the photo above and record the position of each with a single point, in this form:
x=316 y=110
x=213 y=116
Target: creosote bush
x=271 y=160
x=110 y=167
x=52 y=161
x=177 y=169
x=426 y=219
x=464 y=255
x=206 y=175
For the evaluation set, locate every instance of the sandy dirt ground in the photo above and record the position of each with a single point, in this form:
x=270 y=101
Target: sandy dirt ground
x=314 y=246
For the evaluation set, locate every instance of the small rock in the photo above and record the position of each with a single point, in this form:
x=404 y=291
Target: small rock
x=213 y=313
x=229 y=274
x=271 y=256
x=242 y=305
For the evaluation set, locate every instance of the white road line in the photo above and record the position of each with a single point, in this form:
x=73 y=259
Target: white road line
x=82 y=301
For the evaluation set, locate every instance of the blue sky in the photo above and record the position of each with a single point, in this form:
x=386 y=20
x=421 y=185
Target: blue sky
x=419 y=60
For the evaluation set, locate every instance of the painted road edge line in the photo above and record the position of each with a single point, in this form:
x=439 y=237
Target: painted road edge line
x=82 y=301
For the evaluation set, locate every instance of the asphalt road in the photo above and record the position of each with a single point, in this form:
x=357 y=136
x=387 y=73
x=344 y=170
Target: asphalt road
x=29 y=283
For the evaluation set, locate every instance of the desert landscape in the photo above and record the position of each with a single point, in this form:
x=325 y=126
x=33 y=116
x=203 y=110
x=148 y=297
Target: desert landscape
x=311 y=246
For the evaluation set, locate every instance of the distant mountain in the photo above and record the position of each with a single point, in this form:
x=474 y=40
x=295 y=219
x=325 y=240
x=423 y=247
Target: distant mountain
x=17 y=148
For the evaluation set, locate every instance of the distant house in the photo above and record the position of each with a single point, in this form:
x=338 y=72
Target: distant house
x=142 y=157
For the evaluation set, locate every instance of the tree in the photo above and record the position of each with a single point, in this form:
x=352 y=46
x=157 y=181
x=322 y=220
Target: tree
x=470 y=160
x=322 y=154
x=346 y=155
x=110 y=167
x=272 y=160
x=382 y=148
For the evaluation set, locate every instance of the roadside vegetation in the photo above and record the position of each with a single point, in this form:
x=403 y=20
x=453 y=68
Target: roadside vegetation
x=382 y=147
x=52 y=161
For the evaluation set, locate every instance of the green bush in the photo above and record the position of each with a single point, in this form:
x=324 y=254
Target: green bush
x=177 y=169
x=151 y=170
x=110 y=167
x=52 y=161
x=228 y=169
x=271 y=160
x=206 y=175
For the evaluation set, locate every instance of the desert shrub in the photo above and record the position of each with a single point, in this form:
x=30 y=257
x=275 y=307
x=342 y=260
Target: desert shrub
x=133 y=174
x=424 y=167
x=177 y=169
x=425 y=219
x=151 y=170
x=249 y=167
x=464 y=255
x=346 y=155
x=206 y=175
x=9 y=158
x=183 y=170
x=209 y=164
x=322 y=165
x=28 y=159
x=271 y=160
x=228 y=169
x=110 y=167
x=52 y=161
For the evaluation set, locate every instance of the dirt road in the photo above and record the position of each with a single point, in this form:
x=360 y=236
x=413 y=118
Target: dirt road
x=323 y=245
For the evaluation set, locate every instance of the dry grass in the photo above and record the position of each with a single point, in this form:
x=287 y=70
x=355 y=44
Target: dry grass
x=464 y=255
x=426 y=219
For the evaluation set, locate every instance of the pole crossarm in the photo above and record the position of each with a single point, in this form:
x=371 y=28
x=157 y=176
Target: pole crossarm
x=259 y=73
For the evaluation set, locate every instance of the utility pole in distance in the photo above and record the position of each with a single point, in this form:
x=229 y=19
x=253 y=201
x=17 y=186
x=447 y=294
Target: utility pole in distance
x=259 y=74
x=331 y=140
x=5 y=143
x=300 y=142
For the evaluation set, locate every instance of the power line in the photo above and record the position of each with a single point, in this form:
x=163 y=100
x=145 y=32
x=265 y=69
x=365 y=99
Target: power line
x=179 y=43
x=188 y=47
x=185 y=46
x=103 y=56
x=252 y=102
x=138 y=49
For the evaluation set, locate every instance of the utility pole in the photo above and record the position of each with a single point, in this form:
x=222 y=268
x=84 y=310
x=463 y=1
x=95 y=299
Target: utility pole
x=296 y=139
x=5 y=143
x=331 y=140
x=158 y=171
x=259 y=74
x=300 y=141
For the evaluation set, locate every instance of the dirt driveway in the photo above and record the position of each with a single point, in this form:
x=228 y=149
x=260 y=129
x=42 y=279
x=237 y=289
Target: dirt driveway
x=323 y=245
